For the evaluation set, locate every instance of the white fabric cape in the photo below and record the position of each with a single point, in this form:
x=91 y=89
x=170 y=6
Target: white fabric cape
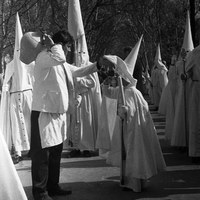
x=143 y=153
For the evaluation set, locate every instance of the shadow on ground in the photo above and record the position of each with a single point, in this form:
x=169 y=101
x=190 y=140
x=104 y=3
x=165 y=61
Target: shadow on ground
x=168 y=185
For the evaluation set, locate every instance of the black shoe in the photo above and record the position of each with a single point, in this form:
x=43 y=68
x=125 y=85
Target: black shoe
x=126 y=189
x=196 y=160
x=154 y=109
x=86 y=153
x=59 y=192
x=42 y=197
x=74 y=153
x=16 y=159
x=183 y=149
x=20 y=158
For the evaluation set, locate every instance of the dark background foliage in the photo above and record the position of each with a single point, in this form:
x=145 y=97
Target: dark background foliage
x=110 y=25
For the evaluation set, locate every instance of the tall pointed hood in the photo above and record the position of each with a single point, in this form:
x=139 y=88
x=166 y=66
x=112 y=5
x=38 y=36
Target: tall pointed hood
x=158 y=60
x=76 y=30
x=158 y=55
x=125 y=68
x=75 y=22
x=187 y=41
x=20 y=78
x=132 y=57
x=18 y=36
x=82 y=51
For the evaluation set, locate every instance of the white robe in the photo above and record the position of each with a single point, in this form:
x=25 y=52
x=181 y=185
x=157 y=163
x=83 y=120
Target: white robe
x=88 y=132
x=167 y=102
x=179 y=137
x=159 y=80
x=16 y=106
x=144 y=157
x=10 y=185
x=85 y=121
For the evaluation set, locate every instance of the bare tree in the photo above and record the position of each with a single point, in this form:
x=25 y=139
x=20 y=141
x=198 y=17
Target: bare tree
x=109 y=24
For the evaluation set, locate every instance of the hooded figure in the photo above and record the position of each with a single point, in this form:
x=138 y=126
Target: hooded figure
x=16 y=100
x=144 y=157
x=159 y=78
x=168 y=100
x=192 y=87
x=180 y=133
x=85 y=120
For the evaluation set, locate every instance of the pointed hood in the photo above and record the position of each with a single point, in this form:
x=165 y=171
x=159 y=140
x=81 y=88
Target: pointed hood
x=126 y=68
x=158 y=55
x=18 y=36
x=83 y=55
x=132 y=57
x=75 y=23
x=161 y=65
x=187 y=41
x=121 y=68
x=20 y=78
x=158 y=60
x=76 y=30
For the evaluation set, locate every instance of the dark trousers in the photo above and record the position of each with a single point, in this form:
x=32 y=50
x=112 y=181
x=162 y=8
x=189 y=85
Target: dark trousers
x=45 y=168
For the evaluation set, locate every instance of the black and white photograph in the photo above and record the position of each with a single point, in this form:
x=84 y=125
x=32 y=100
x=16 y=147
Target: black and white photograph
x=100 y=100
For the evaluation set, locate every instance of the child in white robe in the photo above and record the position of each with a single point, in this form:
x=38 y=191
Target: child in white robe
x=143 y=155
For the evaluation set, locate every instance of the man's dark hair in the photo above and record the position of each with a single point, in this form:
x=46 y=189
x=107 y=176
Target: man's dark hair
x=62 y=37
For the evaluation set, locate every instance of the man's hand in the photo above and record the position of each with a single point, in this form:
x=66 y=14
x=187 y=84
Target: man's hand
x=47 y=41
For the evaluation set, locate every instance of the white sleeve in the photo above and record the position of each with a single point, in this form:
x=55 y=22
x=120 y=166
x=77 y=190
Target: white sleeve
x=57 y=53
x=83 y=71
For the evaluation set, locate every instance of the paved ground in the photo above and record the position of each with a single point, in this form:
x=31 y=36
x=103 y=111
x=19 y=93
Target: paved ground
x=92 y=179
